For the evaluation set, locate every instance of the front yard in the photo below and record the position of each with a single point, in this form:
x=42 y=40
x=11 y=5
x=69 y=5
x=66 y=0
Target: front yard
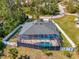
x=68 y=24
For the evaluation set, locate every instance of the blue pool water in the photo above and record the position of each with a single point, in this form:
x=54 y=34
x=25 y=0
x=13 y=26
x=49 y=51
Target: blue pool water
x=44 y=44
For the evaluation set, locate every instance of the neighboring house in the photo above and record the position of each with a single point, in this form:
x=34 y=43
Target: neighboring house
x=39 y=34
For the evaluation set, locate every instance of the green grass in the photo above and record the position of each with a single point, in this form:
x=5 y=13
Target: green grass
x=65 y=42
x=67 y=23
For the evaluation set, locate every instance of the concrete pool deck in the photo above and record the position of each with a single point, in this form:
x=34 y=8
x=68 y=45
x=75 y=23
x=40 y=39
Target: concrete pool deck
x=54 y=42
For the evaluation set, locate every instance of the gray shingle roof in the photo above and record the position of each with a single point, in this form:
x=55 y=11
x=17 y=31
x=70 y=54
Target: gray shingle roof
x=39 y=27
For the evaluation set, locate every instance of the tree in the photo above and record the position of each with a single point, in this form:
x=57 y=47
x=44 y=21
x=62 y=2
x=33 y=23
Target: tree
x=34 y=8
x=77 y=7
x=54 y=8
x=10 y=6
x=1 y=30
x=10 y=16
x=13 y=53
x=71 y=7
x=1 y=45
x=44 y=7
x=1 y=48
x=24 y=57
x=23 y=18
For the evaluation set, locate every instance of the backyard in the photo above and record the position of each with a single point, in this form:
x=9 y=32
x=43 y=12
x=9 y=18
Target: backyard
x=38 y=54
x=68 y=24
x=64 y=42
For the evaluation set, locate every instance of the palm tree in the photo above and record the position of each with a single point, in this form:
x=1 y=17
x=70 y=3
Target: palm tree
x=13 y=53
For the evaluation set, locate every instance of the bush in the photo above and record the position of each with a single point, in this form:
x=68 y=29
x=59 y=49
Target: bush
x=68 y=54
x=1 y=45
x=13 y=53
x=47 y=52
x=24 y=57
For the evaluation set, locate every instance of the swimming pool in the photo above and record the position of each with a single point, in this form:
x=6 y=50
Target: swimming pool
x=44 y=44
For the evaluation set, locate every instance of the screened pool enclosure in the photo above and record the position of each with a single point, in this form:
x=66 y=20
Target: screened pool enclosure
x=39 y=34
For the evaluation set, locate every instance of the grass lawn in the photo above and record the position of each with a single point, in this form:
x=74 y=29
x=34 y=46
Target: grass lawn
x=65 y=42
x=67 y=23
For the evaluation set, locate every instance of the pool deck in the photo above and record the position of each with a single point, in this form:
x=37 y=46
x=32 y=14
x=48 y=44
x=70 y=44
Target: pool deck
x=54 y=42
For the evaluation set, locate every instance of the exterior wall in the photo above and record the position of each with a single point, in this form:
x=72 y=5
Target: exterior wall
x=38 y=47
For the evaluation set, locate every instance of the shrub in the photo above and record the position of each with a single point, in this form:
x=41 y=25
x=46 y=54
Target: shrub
x=68 y=54
x=47 y=52
x=13 y=53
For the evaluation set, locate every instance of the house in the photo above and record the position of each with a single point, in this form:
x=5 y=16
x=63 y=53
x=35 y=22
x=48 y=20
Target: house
x=39 y=34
